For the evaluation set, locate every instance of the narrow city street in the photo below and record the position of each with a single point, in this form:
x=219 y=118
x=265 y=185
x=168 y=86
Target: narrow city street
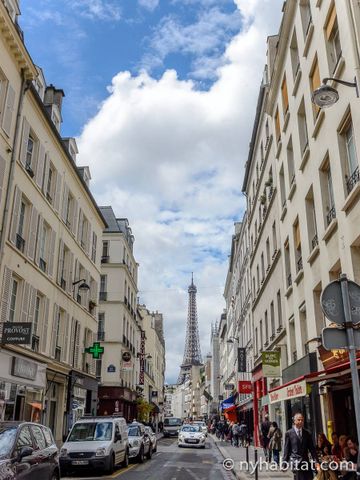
x=174 y=463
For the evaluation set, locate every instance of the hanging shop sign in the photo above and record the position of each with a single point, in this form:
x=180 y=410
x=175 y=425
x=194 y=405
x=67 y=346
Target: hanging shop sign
x=245 y=386
x=271 y=364
x=126 y=356
x=241 y=359
x=17 y=333
x=96 y=350
x=142 y=358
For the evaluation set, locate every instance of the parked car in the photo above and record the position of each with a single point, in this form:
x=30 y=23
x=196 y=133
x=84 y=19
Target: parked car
x=153 y=438
x=28 y=451
x=139 y=442
x=98 y=443
x=172 y=426
x=191 y=436
x=202 y=425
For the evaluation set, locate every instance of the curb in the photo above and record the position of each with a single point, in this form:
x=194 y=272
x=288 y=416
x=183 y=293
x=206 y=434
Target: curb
x=238 y=475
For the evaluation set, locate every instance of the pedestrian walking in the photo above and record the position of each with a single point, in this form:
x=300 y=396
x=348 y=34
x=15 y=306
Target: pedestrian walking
x=297 y=447
x=264 y=429
x=235 y=434
x=275 y=435
x=243 y=434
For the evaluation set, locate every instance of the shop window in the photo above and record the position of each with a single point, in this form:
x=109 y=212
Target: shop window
x=333 y=45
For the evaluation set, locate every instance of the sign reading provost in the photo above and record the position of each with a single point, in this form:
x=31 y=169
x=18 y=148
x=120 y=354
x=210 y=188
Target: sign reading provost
x=17 y=333
x=271 y=364
x=299 y=389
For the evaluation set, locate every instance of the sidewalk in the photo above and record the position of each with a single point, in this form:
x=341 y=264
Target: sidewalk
x=238 y=454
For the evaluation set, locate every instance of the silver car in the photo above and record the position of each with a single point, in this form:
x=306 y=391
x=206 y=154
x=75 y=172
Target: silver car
x=139 y=442
x=153 y=438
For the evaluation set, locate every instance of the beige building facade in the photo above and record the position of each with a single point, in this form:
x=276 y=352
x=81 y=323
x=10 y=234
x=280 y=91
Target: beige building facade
x=50 y=266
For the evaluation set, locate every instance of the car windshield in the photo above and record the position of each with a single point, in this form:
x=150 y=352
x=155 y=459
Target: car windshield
x=7 y=439
x=89 y=432
x=133 y=431
x=191 y=428
x=172 y=422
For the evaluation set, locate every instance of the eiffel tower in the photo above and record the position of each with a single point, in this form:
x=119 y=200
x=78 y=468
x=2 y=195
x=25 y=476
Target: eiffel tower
x=192 y=353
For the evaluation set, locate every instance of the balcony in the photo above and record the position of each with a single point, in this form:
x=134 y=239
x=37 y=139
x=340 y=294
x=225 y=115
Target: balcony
x=103 y=296
x=314 y=242
x=20 y=243
x=105 y=259
x=330 y=215
x=42 y=265
x=289 y=280
x=353 y=180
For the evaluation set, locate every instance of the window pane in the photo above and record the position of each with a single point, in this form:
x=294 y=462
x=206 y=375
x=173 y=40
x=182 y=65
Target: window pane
x=39 y=438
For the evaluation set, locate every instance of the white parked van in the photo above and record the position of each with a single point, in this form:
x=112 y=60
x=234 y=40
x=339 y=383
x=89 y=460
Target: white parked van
x=171 y=427
x=95 y=443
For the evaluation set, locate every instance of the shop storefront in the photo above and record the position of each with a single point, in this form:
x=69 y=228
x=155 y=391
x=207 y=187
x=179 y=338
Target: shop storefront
x=22 y=387
x=82 y=396
x=259 y=391
x=118 y=400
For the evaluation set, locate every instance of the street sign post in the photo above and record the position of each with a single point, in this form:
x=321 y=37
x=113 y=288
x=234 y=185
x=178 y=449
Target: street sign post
x=340 y=302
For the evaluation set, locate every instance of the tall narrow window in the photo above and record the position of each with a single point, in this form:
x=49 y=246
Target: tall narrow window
x=290 y=162
x=282 y=187
x=30 y=152
x=277 y=125
x=268 y=257
x=285 y=97
x=311 y=220
x=294 y=55
x=266 y=320
x=333 y=39
x=274 y=238
x=279 y=308
x=306 y=17
x=297 y=244
x=272 y=320
x=315 y=83
x=303 y=131
x=14 y=293
x=287 y=264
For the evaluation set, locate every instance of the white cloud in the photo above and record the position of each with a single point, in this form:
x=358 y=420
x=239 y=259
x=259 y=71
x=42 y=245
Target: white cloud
x=149 y=4
x=105 y=10
x=171 y=159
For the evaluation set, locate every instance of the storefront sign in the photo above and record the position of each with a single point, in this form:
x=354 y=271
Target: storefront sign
x=245 y=386
x=241 y=359
x=271 y=364
x=126 y=366
x=17 y=333
x=23 y=368
x=299 y=389
x=111 y=369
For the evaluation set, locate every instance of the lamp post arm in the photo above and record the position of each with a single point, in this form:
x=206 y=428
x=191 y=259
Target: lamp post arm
x=343 y=82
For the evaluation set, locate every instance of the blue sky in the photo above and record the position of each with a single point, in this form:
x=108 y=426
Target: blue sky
x=161 y=96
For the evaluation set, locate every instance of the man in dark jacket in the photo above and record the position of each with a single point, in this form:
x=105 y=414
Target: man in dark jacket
x=264 y=428
x=298 y=445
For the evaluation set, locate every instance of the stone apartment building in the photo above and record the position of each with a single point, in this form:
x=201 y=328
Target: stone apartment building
x=119 y=323
x=308 y=158
x=49 y=259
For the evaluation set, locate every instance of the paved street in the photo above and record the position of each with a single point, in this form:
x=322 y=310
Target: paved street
x=173 y=463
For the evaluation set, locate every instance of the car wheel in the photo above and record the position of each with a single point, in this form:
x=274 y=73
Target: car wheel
x=125 y=462
x=55 y=476
x=111 y=466
x=140 y=455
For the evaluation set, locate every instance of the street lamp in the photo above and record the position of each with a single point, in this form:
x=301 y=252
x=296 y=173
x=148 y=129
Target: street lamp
x=326 y=96
x=232 y=340
x=83 y=286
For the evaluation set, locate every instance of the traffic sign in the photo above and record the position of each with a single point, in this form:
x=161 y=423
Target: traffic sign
x=334 y=338
x=332 y=302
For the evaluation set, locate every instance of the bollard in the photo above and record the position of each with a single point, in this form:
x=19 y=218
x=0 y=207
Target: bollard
x=256 y=464
x=247 y=457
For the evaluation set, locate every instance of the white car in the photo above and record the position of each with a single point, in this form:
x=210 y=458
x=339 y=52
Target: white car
x=191 y=436
x=202 y=426
x=153 y=438
x=97 y=443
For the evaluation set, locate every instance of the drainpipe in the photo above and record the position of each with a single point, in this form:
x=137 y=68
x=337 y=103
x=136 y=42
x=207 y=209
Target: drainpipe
x=24 y=87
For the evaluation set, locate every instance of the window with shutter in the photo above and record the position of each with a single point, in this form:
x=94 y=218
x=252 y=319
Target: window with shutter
x=5 y=296
x=33 y=232
x=277 y=125
x=44 y=327
x=9 y=110
x=39 y=178
x=52 y=244
x=315 y=83
x=285 y=98
x=2 y=177
x=14 y=294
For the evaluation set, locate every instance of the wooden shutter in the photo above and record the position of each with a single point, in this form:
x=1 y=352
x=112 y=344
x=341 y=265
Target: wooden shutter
x=9 y=110
x=285 y=97
x=25 y=301
x=74 y=217
x=40 y=166
x=315 y=77
x=57 y=191
x=54 y=329
x=72 y=342
x=297 y=236
x=15 y=215
x=65 y=345
x=88 y=238
x=32 y=301
x=5 y=296
x=46 y=172
x=331 y=22
x=24 y=142
x=2 y=175
x=79 y=231
x=70 y=269
x=33 y=233
x=38 y=241
x=277 y=125
x=60 y=261
x=44 y=326
x=51 y=252
x=64 y=202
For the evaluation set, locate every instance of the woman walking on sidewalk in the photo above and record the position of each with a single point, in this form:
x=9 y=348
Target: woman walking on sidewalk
x=275 y=435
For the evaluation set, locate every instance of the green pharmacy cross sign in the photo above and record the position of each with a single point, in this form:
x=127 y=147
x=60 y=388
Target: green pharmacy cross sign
x=96 y=350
